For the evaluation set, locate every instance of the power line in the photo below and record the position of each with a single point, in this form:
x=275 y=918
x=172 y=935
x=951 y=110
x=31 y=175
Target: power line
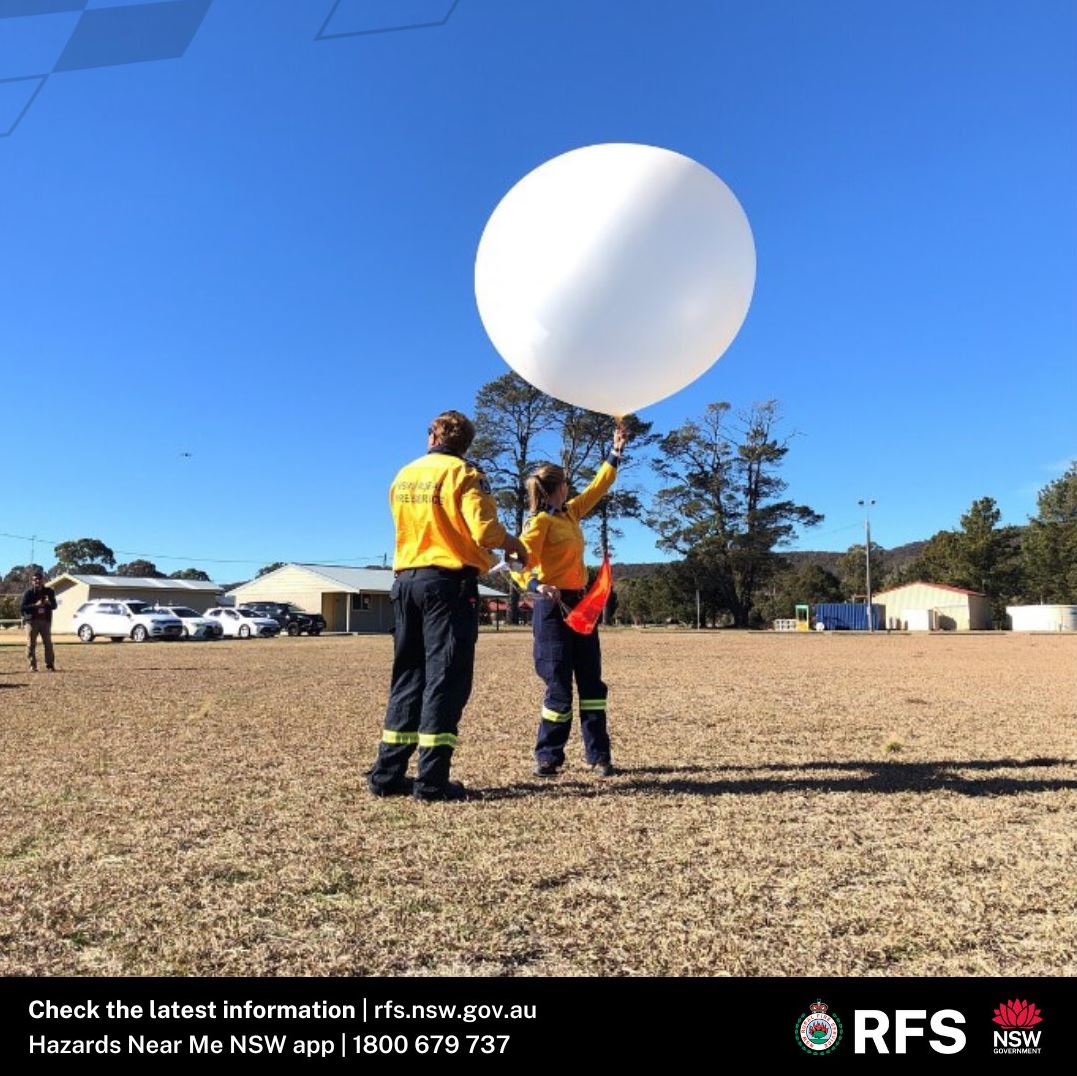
x=353 y=559
x=836 y=530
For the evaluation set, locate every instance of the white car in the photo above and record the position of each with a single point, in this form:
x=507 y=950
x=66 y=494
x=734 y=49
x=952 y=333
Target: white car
x=120 y=619
x=242 y=623
x=195 y=625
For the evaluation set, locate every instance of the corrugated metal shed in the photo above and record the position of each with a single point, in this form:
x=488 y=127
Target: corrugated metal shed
x=137 y=582
x=352 y=580
x=955 y=609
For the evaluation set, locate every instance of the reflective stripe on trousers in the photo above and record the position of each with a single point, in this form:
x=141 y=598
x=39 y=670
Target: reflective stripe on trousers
x=561 y=656
x=437 y=624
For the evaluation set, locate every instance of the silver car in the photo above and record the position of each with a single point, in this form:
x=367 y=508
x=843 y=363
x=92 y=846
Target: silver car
x=195 y=625
x=242 y=623
x=121 y=618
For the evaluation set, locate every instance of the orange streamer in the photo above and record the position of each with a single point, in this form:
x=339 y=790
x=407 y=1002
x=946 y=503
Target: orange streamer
x=585 y=616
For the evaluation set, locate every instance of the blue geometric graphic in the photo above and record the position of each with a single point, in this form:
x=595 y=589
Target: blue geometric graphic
x=41 y=37
x=111 y=36
x=354 y=18
x=16 y=97
x=14 y=9
x=31 y=46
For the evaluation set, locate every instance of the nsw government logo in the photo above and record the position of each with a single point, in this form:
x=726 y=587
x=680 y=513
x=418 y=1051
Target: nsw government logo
x=818 y=1032
x=1017 y=1020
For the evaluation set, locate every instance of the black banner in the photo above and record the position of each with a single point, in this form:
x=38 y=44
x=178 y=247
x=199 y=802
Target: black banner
x=245 y=1024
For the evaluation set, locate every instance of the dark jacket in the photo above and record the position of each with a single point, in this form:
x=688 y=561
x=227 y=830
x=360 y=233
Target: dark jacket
x=38 y=613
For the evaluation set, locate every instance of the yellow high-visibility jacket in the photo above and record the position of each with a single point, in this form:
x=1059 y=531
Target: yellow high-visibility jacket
x=444 y=513
x=555 y=542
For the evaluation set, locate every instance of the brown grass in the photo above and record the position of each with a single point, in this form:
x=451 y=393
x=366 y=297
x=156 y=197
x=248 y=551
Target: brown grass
x=790 y=805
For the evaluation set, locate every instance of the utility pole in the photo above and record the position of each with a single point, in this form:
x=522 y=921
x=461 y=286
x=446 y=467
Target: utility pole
x=867 y=556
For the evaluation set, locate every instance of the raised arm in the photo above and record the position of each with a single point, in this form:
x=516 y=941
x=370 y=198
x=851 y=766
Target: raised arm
x=584 y=503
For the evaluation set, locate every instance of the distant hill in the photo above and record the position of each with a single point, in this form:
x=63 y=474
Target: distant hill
x=634 y=571
x=897 y=557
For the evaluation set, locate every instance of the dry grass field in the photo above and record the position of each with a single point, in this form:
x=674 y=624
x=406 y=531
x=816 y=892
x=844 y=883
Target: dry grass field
x=791 y=805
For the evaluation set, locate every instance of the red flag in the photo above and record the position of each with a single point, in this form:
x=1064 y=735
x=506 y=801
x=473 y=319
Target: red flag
x=585 y=616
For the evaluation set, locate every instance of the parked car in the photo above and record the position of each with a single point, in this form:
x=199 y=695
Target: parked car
x=243 y=623
x=120 y=619
x=195 y=625
x=291 y=618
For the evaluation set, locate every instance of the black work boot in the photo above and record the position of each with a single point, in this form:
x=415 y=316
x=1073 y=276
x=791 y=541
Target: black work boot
x=453 y=792
x=388 y=781
x=400 y=787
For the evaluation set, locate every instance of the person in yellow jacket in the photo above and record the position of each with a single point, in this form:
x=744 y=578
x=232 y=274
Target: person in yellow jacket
x=446 y=521
x=557 y=577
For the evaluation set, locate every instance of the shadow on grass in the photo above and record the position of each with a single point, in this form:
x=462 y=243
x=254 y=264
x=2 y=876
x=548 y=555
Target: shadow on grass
x=12 y=685
x=871 y=776
x=854 y=764
x=558 y=787
x=658 y=770
x=170 y=668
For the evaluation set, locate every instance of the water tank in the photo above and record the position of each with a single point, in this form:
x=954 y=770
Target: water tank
x=1043 y=617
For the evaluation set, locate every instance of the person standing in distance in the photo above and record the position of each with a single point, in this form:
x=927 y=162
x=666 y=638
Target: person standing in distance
x=446 y=521
x=557 y=577
x=37 y=606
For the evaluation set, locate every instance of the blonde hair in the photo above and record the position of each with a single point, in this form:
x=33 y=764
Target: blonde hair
x=541 y=483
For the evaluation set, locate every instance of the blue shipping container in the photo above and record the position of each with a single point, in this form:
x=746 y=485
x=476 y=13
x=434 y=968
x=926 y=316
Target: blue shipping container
x=848 y=616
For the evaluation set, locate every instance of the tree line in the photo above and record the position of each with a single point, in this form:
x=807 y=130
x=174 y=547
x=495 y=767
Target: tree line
x=721 y=508
x=1013 y=565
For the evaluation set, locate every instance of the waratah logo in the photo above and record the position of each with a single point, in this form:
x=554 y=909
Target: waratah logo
x=1017 y=1014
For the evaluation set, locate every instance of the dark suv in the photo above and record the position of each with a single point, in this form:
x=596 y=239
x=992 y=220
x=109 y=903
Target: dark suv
x=291 y=620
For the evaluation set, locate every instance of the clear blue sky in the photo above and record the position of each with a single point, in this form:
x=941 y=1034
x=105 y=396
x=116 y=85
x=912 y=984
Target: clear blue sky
x=261 y=254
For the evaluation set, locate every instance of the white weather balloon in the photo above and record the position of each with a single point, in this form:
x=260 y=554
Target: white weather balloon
x=614 y=275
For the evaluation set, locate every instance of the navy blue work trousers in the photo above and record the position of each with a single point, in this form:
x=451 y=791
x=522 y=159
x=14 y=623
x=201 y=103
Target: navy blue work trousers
x=436 y=627
x=562 y=654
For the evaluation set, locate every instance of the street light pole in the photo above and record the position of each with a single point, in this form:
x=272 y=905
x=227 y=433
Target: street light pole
x=867 y=556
